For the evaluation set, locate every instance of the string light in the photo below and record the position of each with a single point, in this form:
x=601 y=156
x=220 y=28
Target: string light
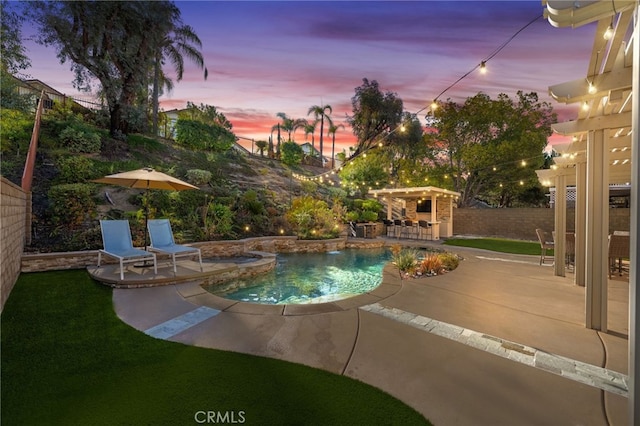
x=483 y=63
x=608 y=33
x=434 y=104
x=592 y=87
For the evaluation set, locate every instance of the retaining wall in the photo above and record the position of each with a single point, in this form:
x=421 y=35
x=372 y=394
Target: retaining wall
x=82 y=259
x=14 y=205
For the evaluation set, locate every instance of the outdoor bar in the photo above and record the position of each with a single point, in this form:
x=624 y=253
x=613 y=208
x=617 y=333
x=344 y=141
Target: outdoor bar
x=428 y=203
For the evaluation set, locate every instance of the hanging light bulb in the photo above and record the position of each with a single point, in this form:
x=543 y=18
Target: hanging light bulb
x=608 y=33
x=434 y=105
x=402 y=128
x=585 y=106
x=592 y=88
x=483 y=67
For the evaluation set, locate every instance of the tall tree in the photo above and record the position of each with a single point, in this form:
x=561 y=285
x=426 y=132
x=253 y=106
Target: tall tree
x=364 y=173
x=181 y=41
x=309 y=128
x=291 y=153
x=262 y=147
x=113 y=42
x=287 y=124
x=405 y=149
x=13 y=60
x=375 y=115
x=12 y=52
x=490 y=148
x=332 y=132
x=320 y=113
x=203 y=127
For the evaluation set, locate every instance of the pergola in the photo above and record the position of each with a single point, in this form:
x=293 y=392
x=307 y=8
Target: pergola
x=408 y=201
x=604 y=151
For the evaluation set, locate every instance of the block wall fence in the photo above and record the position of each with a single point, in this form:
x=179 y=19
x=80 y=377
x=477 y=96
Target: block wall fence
x=15 y=205
x=521 y=223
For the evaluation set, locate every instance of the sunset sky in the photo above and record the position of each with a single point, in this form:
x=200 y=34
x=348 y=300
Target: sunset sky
x=269 y=57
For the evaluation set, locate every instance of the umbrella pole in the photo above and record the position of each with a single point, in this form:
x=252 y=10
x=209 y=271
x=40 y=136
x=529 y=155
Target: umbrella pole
x=146 y=220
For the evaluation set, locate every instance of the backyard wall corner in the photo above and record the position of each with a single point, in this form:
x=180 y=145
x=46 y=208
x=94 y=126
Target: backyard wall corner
x=14 y=204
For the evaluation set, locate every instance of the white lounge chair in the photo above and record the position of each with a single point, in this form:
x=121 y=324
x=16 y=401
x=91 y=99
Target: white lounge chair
x=162 y=241
x=116 y=239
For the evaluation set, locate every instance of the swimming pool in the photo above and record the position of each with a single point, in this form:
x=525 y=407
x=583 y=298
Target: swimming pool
x=310 y=278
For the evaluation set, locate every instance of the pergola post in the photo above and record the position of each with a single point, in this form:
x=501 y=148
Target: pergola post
x=434 y=207
x=560 y=220
x=634 y=295
x=580 y=224
x=597 y=221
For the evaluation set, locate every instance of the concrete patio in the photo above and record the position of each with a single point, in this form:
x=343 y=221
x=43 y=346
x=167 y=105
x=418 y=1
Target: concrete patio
x=500 y=340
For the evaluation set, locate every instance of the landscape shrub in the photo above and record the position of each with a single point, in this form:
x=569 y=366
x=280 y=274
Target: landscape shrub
x=405 y=260
x=80 y=139
x=352 y=216
x=368 y=216
x=72 y=204
x=371 y=205
x=312 y=219
x=309 y=187
x=408 y=262
x=218 y=221
x=449 y=261
x=364 y=210
x=291 y=153
x=252 y=203
x=76 y=169
x=251 y=216
x=198 y=177
x=430 y=265
x=198 y=135
x=16 y=131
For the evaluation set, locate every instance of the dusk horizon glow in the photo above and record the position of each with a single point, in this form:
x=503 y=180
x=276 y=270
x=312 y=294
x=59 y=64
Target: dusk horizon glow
x=269 y=57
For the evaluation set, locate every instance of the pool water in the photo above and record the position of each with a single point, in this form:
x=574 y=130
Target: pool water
x=311 y=278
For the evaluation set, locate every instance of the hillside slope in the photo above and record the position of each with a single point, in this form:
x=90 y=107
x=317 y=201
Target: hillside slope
x=266 y=183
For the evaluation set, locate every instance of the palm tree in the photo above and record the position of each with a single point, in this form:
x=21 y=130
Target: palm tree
x=332 y=132
x=276 y=127
x=288 y=124
x=299 y=123
x=308 y=128
x=319 y=112
x=180 y=41
x=262 y=147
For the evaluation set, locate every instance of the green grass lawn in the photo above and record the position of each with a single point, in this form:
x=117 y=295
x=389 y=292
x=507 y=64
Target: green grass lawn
x=67 y=359
x=498 y=244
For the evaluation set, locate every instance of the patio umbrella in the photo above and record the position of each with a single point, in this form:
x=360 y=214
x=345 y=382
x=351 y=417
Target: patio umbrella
x=146 y=179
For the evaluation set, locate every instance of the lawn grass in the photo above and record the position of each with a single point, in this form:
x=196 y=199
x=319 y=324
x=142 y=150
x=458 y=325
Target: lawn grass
x=67 y=359
x=498 y=244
